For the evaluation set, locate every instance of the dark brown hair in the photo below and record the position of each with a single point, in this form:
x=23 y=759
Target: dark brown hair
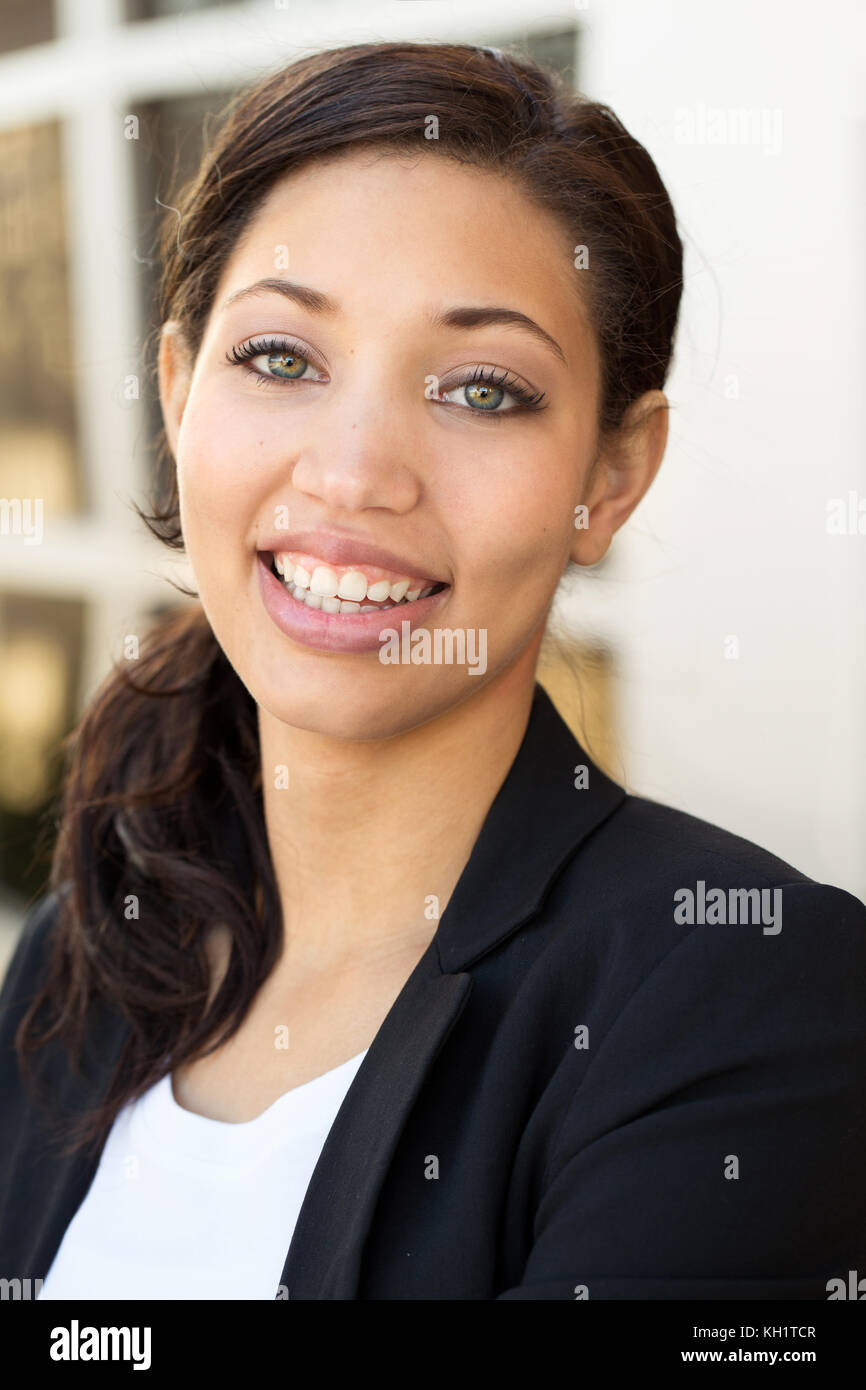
x=161 y=763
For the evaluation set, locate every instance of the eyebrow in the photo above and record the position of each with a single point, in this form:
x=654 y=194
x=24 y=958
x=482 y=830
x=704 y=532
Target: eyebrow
x=460 y=316
x=466 y=316
x=313 y=300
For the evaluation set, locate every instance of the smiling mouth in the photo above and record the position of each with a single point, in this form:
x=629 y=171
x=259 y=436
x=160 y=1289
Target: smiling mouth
x=346 y=588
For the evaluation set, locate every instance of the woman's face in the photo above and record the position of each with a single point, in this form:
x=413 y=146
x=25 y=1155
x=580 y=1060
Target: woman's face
x=355 y=426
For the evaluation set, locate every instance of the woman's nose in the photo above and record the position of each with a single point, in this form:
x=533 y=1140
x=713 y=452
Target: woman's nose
x=360 y=452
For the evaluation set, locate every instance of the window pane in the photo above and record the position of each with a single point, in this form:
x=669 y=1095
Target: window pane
x=172 y=135
x=159 y=9
x=555 y=50
x=38 y=447
x=580 y=677
x=40 y=657
x=25 y=22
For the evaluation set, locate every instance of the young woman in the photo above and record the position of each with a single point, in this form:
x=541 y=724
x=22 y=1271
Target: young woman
x=355 y=977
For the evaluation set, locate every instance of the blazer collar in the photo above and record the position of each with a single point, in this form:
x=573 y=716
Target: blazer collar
x=535 y=824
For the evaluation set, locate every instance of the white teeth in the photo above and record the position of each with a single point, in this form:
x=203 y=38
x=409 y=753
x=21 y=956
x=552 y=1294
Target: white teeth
x=324 y=590
x=353 y=586
x=324 y=581
x=327 y=604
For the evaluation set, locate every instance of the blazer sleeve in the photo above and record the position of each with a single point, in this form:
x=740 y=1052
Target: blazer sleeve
x=24 y=972
x=716 y=1146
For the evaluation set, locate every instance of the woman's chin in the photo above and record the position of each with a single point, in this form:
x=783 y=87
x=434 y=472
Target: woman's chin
x=334 y=710
x=356 y=711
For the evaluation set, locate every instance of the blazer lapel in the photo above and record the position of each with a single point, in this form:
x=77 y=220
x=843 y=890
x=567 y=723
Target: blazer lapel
x=324 y=1257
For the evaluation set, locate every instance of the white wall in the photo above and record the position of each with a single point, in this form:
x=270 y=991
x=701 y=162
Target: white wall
x=767 y=426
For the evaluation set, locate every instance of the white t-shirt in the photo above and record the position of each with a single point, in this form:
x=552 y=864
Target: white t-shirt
x=182 y=1206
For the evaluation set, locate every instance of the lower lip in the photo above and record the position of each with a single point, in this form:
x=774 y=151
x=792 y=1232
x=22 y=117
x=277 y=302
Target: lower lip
x=337 y=632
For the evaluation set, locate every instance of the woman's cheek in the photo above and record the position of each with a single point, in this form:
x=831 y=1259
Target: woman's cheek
x=217 y=466
x=518 y=526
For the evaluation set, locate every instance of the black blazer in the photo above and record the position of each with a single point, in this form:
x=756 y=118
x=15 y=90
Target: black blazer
x=577 y=1093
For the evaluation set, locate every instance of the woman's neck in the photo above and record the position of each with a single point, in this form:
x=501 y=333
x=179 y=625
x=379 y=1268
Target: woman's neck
x=369 y=839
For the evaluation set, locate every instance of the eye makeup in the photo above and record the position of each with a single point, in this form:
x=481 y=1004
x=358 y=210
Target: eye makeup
x=486 y=380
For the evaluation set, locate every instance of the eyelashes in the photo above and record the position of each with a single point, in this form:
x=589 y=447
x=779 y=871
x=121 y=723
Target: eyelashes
x=293 y=354
x=268 y=347
x=501 y=381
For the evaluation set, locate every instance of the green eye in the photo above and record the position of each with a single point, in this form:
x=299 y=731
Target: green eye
x=494 y=392
x=287 y=364
x=272 y=360
x=485 y=397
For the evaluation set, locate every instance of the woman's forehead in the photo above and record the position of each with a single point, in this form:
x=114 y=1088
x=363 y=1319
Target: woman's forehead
x=414 y=222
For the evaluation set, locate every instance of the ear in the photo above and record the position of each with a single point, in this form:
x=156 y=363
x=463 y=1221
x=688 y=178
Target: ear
x=175 y=375
x=620 y=476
